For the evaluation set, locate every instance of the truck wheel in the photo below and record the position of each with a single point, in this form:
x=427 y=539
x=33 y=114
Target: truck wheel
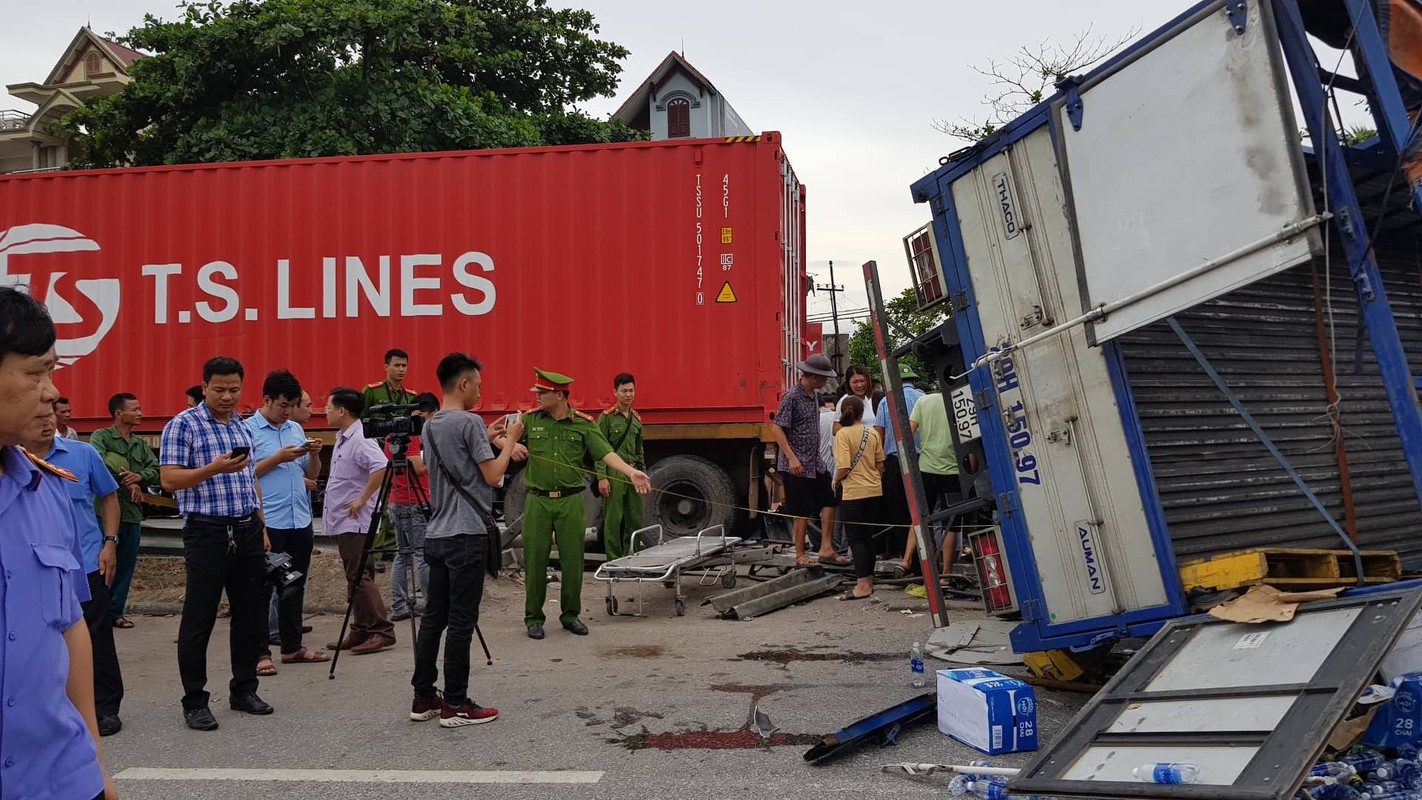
x=689 y=495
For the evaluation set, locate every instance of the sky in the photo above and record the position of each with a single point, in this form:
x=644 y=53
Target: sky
x=853 y=87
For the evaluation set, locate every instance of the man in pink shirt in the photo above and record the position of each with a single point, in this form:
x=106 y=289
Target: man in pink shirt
x=357 y=470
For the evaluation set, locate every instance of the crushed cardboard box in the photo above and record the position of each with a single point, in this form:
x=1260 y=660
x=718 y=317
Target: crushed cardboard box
x=1267 y=604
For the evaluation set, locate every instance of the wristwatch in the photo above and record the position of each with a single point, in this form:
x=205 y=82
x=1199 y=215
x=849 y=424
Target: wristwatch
x=108 y=539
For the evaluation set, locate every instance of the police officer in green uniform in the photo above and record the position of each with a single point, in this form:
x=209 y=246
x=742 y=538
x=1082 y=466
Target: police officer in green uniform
x=621 y=508
x=392 y=389
x=558 y=440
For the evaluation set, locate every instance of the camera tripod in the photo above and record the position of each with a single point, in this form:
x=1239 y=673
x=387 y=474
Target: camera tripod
x=397 y=464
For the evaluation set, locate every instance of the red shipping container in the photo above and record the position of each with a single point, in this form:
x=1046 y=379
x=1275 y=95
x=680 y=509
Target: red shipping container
x=679 y=262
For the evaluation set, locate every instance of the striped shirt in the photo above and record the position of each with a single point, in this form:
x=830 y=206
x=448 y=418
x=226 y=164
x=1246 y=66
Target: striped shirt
x=195 y=439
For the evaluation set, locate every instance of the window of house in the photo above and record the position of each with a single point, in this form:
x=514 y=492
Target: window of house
x=678 y=118
x=92 y=65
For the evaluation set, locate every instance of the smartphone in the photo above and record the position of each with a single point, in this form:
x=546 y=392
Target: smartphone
x=313 y=442
x=240 y=452
x=510 y=419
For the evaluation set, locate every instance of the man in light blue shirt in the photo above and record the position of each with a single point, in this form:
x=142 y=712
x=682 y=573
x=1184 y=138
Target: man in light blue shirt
x=283 y=456
x=896 y=510
x=100 y=549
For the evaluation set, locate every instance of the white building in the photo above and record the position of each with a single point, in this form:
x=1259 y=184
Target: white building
x=677 y=102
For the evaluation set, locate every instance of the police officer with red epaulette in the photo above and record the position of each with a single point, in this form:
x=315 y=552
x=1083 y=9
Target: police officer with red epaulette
x=621 y=505
x=559 y=439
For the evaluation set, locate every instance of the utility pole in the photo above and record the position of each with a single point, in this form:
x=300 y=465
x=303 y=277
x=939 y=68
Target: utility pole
x=834 y=290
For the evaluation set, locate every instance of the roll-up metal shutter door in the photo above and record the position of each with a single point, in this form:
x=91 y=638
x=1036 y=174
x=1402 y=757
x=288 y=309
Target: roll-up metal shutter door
x=1220 y=489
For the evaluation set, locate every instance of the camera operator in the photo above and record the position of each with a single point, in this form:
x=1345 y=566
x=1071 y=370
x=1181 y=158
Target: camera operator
x=357 y=470
x=407 y=513
x=464 y=471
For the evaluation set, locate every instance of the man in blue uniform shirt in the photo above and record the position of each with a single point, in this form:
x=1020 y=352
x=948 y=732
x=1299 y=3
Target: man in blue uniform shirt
x=49 y=735
x=100 y=548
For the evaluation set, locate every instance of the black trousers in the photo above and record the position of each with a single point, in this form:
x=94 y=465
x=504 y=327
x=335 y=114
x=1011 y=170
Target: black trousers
x=297 y=543
x=895 y=511
x=861 y=519
x=222 y=557
x=108 y=680
x=456 y=588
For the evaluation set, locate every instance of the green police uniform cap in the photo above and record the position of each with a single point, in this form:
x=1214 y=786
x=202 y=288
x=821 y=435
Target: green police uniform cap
x=905 y=371
x=546 y=381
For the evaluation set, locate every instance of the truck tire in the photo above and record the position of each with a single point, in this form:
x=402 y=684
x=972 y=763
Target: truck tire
x=516 y=495
x=698 y=494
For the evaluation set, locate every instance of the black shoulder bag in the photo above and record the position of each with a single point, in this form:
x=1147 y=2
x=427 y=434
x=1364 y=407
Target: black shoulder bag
x=494 y=554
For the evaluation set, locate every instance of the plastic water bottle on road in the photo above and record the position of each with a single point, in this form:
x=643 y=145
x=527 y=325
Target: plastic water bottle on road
x=916 y=679
x=1364 y=760
x=994 y=788
x=1332 y=769
x=1168 y=773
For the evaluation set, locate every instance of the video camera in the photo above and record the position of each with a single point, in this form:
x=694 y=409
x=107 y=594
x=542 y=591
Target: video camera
x=281 y=574
x=400 y=422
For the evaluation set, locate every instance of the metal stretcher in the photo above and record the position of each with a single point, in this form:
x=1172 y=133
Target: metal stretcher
x=711 y=552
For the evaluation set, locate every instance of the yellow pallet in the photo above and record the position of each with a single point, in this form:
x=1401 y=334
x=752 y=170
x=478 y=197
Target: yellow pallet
x=1291 y=567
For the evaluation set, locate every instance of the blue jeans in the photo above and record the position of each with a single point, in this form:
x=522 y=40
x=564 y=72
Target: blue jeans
x=409 y=549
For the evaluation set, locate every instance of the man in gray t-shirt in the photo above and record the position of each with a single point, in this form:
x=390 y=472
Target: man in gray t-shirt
x=463 y=439
x=459 y=450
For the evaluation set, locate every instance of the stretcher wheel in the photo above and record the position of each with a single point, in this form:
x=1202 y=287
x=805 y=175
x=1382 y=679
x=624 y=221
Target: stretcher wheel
x=680 y=607
x=612 y=606
x=728 y=580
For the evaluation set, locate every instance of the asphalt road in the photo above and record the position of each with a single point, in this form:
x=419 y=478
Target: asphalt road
x=644 y=707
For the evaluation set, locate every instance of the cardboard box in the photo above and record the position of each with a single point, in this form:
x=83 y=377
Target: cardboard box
x=986 y=710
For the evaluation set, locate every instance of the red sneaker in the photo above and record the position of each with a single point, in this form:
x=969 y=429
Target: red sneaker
x=466 y=713
x=423 y=710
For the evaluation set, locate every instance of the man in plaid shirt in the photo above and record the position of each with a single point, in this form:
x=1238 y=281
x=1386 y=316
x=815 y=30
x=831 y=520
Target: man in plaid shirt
x=205 y=460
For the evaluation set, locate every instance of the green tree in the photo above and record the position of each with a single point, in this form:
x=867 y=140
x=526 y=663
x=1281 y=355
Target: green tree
x=905 y=322
x=257 y=79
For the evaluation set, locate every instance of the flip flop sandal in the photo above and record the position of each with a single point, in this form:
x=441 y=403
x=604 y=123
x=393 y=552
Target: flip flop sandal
x=852 y=596
x=304 y=656
x=122 y=622
x=834 y=559
x=265 y=667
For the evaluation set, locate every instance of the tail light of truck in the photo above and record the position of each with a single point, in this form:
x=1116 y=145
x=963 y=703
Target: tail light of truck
x=993 y=576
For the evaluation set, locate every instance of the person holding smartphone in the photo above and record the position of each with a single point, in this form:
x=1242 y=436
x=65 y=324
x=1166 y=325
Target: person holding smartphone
x=205 y=460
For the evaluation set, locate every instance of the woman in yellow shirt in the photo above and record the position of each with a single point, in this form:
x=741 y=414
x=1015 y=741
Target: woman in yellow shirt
x=859 y=461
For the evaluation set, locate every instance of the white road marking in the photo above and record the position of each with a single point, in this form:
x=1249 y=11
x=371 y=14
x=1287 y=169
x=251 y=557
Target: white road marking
x=360 y=775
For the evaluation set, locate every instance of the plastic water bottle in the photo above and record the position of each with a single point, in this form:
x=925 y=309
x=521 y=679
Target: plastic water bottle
x=1407 y=751
x=1332 y=769
x=1364 y=760
x=1330 y=791
x=1379 y=788
x=971 y=786
x=1401 y=770
x=916 y=679
x=1168 y=773
x=1404 y=795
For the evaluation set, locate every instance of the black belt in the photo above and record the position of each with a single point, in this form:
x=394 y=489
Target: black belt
x=567 y=491
x=204 y=519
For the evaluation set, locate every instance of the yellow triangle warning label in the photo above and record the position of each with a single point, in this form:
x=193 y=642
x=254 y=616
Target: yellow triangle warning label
x=727 y=294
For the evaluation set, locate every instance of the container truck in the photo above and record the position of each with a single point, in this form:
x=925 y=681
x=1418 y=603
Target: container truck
x=680 y=262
